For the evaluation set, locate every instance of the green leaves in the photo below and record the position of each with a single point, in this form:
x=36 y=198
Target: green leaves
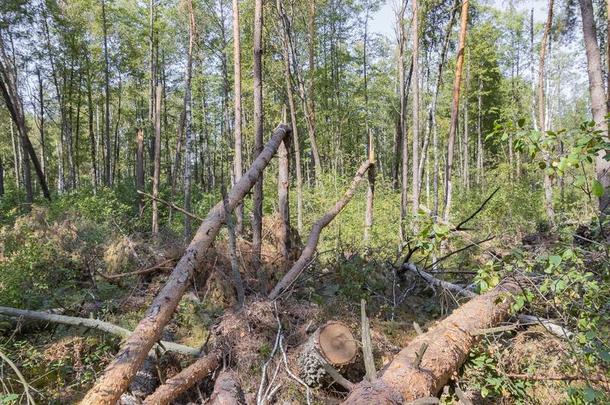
x=597 y=189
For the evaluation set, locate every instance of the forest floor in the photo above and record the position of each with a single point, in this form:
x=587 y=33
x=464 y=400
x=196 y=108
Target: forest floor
x=86 y=262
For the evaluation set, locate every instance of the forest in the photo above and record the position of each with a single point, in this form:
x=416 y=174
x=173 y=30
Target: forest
x=304 y=202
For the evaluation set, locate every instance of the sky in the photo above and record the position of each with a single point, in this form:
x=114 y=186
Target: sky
x=383 y=21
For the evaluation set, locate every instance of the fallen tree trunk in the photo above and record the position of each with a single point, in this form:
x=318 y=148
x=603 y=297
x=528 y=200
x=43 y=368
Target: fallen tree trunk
x=121 y=370
x=185 y=379
x=550 y=326
x=227 y=390
x=312 y=243
x=92 y=324
x=425 y=366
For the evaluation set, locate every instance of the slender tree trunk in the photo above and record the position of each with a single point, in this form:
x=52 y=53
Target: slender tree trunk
x=16 y=156
x=480 y=158
x=237 y=149
x=140 y=185
x=293 y=114
x=433 y=106
x=466 y=153
x=107 y=172
x=370 y=192
x=548 y=183
x=92 y=148
x=455 y=109
x=43 y=154
x=257 y=217
x=598 y=99
x=153 y=81
x=14 y=104
x=402 y=154
x=415 y=189
x=310 y=99
x=188 y=147
x=532 y=73
x=156 y=162
x=1 y=177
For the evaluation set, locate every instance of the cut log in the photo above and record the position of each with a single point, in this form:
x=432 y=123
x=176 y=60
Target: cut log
x=332 y=343
x=408 y=377
x=227 y=390
x=312 y=243
x=185 y=379
x=117 y=376
x=92 y=324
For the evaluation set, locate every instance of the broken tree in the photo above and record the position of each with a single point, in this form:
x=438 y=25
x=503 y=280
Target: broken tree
x=121 y=370
x=312 y=243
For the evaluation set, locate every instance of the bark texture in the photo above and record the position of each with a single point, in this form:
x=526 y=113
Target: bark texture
x=598 y=97
x=185 y=379
x=121 y=370
x=227 y=390
x=412 y=375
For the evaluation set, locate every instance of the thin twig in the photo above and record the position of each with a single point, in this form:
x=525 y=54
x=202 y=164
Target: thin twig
x=172 y=205
x=22 y=380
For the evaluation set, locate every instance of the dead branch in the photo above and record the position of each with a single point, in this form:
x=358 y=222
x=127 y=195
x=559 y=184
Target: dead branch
x=597 y=378
x=185 y=379
x=91 y=324
x=460 y=226
x=158 y=266
x=118 y=374
x=171 y=205
x=309 y=250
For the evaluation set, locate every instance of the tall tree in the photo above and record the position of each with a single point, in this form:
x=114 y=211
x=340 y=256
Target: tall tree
x=598 y=97
x=401 y=147
x=415 y=106
x=14 y=104
x=108 y=156
x=293 y=115
x=257 y=215
x=156 y=162
x=432 y=127
x=188 y=146
x=455 y=109
x=370 y=192
x=542 y=123
x=237 y=149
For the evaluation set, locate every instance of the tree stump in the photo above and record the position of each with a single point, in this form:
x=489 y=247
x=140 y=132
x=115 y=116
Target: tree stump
x=332 y=343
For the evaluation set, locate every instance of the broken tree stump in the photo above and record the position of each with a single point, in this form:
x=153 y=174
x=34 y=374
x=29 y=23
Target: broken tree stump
x=334 y=344
x=227 y=390
x=119 y=373
x=415 y=373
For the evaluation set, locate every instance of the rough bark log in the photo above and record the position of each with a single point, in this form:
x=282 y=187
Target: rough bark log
x=550 y=326
x=227 y=390
x=92 y=324
x=118 y=374
x=314 y=236
x=185 y=379
x=448 y=345
x=334 y=343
